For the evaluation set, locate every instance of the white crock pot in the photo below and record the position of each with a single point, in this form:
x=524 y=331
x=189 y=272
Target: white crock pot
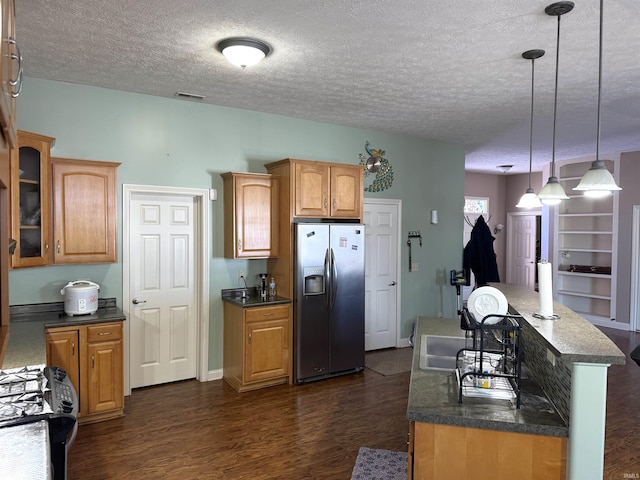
x=80 y=297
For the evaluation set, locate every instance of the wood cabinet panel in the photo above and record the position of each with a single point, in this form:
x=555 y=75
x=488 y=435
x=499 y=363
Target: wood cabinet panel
x=63 y=350
x=30 y=200
x=250 y=215
x=84 y=211
x=267 y=350
x=485 y=454
x=311 y=189
x=346 y=191
x=256 y=346
x=93 y=357
x=105 y=376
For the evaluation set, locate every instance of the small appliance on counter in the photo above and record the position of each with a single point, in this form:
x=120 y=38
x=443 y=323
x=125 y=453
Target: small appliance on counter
x=80 y=297
x=263 y=285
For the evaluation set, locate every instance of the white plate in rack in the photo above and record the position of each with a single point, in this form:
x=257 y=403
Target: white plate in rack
x=485 y=301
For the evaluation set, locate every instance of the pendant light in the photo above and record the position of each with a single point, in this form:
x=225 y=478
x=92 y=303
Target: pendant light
x=553 y=193
x=530 y=199
x=598 y=181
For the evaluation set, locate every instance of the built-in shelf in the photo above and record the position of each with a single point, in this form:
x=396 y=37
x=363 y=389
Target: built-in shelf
x=585 y=236
x=582 y=294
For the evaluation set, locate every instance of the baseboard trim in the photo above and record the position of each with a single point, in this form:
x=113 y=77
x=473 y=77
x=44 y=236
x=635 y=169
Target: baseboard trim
x=213 y=375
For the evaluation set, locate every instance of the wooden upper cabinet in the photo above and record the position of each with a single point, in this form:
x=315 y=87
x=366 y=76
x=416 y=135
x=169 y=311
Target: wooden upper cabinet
x=30 y=200
x=250 y=215
x=10 y=72
x=84 y=211
x=325 y=190
x=346 y=191
x=311 y=189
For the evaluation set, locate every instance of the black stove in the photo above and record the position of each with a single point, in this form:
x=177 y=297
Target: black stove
x=34 y=394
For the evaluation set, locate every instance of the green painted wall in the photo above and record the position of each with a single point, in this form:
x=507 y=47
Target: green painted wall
x=172 y=142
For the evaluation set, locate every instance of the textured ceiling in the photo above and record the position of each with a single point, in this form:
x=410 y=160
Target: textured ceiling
x=441 y=70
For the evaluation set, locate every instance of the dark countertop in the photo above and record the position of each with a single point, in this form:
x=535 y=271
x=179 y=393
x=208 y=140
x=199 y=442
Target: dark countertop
x=572 y=337
x=433 y=397
x=26 y=345
x=252 y=299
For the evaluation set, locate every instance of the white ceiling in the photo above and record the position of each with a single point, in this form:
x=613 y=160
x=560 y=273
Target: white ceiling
x=449 y=70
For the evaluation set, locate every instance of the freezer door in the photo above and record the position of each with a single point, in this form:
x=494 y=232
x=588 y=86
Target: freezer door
x=347 y=296
x=311 y=302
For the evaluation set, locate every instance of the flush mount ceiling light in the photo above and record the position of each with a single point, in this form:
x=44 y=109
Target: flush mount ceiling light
x=504 y=168
x=530 y=199
x=553 y=193
x=243 y=51
x=598 y=181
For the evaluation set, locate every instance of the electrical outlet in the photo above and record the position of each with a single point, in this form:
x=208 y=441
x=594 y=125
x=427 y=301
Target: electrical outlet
x=241 y=278
x=551 y=357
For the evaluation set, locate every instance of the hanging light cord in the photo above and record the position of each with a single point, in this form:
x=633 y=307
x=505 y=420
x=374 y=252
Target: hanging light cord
x=533 y=62
x=599 y=83
x=555 y=105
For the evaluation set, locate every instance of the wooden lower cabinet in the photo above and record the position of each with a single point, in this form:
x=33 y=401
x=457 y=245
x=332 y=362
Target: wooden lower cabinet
x=256 y=346
x=443 y=452
x=92 y=355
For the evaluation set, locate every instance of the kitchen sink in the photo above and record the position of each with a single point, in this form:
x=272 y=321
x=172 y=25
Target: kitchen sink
x=438 y=352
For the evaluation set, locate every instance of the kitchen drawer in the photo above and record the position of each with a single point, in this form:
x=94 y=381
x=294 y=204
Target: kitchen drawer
x=266 y=313
x=105 y=332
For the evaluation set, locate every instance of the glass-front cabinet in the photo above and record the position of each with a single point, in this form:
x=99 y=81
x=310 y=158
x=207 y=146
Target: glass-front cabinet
x=30 y=200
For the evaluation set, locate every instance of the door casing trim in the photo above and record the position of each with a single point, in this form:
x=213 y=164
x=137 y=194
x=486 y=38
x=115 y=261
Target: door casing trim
x=202 y=236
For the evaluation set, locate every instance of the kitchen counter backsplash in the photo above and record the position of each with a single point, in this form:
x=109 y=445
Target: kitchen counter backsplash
x=22 y=312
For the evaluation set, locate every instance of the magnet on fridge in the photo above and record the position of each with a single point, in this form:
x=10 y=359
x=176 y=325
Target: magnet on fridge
x=434 y=216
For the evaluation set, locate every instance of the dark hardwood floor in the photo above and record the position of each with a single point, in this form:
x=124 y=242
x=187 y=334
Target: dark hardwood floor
x=192 y=430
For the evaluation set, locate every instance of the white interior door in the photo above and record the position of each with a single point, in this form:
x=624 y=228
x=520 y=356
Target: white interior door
x=162 y=288
x=381 y=285
x=521 y=248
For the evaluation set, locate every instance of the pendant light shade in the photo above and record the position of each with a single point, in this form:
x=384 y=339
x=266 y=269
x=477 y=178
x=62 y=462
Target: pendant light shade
x=530 y=199
x=242 y=51
x=598 y=181
x=553 y=193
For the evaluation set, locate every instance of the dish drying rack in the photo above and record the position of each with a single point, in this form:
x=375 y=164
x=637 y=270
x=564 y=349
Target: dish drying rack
x=492 y=367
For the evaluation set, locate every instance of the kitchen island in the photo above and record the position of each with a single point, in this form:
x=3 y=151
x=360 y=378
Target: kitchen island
x=564 y=438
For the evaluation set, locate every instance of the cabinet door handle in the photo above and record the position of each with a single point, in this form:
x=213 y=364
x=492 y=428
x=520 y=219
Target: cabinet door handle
x=73 y=348
x=249 y=338
x=58 y=246
x=334 y=203
x=18 y=80
x=239 y=244
x=267 y=314
x=93 y=361
x=46 y=246
x=325 y=203
x=101 y=334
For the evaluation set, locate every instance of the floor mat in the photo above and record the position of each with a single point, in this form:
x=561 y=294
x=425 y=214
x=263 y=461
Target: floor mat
x=377 y=464
x=390 y=361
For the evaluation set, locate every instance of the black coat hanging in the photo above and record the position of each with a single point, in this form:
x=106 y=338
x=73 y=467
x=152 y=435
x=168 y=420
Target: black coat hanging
x=479 y=256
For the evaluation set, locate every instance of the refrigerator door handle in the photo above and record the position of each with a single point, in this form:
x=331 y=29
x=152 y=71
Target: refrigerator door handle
x=334 y=279
x=327 y=278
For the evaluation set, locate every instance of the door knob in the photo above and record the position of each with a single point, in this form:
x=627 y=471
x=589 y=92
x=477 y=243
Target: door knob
x=137 y=301
x=392 y=284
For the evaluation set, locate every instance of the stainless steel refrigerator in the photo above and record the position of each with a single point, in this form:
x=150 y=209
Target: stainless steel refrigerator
x=328 y=300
